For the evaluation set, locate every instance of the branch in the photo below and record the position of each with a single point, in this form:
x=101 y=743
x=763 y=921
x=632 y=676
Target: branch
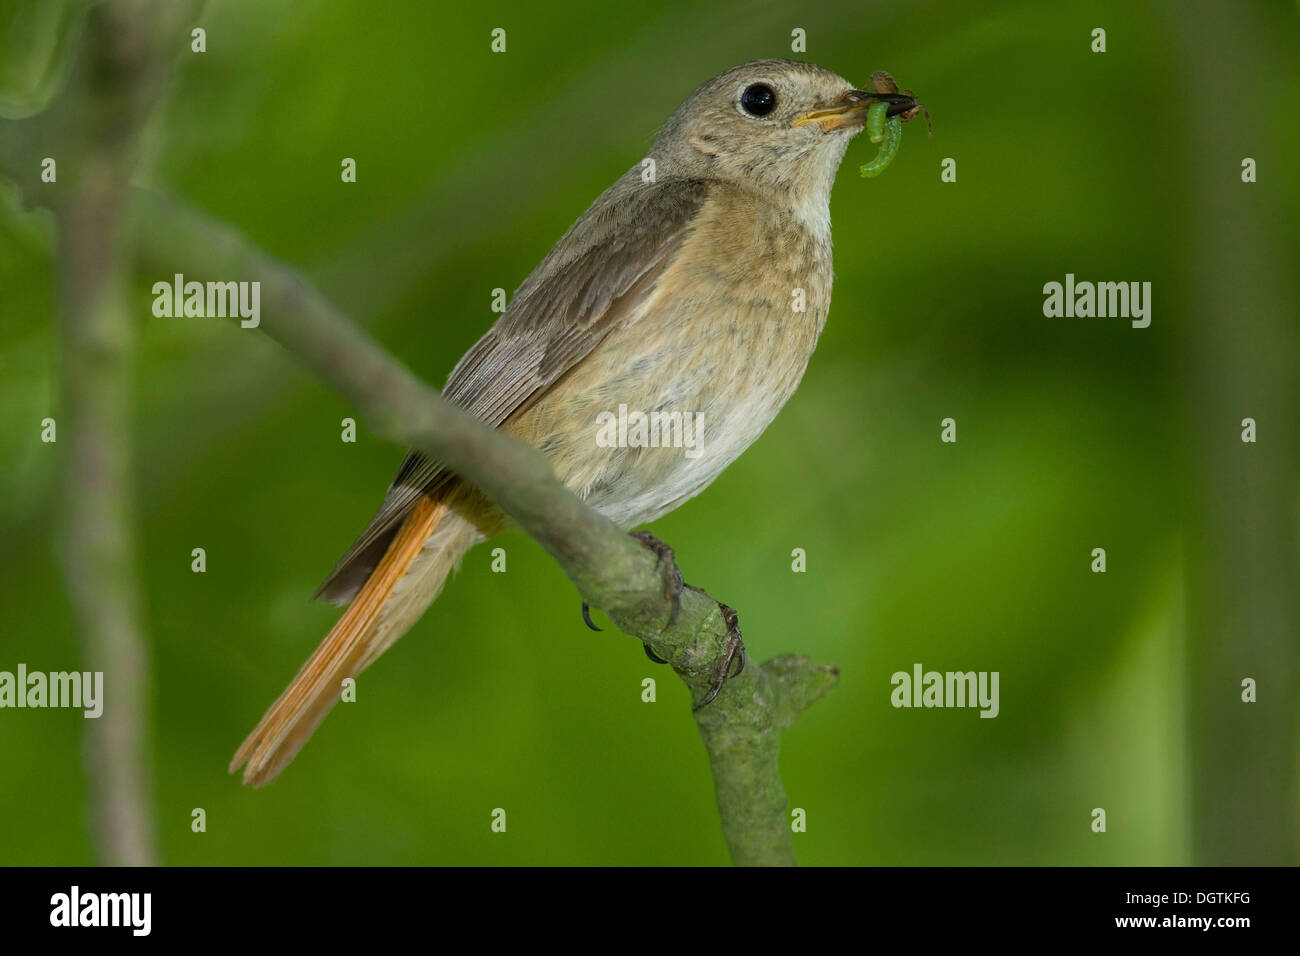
x=741 y=729
x=612 y=571
x=93 y=134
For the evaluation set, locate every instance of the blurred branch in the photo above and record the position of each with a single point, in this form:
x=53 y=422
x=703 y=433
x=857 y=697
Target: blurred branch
x=61 y=22
x=98 y=546
x=741 y=728
x=1242 y=358
x=92 y=134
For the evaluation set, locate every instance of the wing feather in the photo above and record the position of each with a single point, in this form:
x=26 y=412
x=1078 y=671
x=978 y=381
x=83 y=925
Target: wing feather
x=598 y=275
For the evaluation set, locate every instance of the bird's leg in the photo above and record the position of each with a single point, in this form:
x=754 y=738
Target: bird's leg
x=735 y=654
x=673 y=583
x=733 y=659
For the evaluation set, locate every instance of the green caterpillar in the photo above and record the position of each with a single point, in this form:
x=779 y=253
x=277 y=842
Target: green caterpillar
x=888 y=131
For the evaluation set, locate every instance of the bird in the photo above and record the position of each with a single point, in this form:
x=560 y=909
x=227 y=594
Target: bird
x=698 y=283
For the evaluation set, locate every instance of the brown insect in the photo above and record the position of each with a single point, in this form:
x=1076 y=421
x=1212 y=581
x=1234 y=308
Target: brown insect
x=902 y=104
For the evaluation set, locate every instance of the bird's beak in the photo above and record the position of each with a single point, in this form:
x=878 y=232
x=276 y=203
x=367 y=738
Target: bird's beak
x=850 y=110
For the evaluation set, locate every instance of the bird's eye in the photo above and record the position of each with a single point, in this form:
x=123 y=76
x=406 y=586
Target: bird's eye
x=758 y=100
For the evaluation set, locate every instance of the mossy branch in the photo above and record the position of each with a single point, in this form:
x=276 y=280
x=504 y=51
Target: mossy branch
x=741 y=728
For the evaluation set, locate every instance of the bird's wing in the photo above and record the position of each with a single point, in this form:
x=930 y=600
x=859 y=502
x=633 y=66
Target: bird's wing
x=598 y=274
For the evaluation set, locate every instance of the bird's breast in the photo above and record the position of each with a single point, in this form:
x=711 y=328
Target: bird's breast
x=677 y=392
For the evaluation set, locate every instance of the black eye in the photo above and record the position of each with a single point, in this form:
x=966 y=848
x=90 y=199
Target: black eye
x=758 y=100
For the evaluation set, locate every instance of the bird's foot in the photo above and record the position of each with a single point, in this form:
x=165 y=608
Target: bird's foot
x=733 y=656
x=673 y=583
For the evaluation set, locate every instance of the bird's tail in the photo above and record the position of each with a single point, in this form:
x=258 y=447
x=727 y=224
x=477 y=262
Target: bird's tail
x=422 y=554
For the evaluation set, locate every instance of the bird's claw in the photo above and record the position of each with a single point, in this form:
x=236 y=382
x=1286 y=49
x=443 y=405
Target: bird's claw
x=733 y=659
x=735 y=654
x=673 y=583
x=652 y=655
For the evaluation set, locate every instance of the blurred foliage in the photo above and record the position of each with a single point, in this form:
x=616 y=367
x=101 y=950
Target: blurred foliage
x=967 y=556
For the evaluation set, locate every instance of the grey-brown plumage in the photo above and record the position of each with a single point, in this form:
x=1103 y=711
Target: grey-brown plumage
x=604 y=265
x=701 y=290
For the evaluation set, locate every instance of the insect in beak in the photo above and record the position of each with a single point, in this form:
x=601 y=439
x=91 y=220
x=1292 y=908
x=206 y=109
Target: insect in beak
x=904 y=105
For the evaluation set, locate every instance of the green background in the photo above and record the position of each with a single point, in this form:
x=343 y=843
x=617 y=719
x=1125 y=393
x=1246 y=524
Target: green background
x=1072 y=434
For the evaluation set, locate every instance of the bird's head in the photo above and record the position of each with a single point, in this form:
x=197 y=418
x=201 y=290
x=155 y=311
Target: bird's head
x=771 y=124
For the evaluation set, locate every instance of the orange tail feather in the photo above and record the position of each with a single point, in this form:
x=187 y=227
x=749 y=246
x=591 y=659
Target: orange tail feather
x=350 y=645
